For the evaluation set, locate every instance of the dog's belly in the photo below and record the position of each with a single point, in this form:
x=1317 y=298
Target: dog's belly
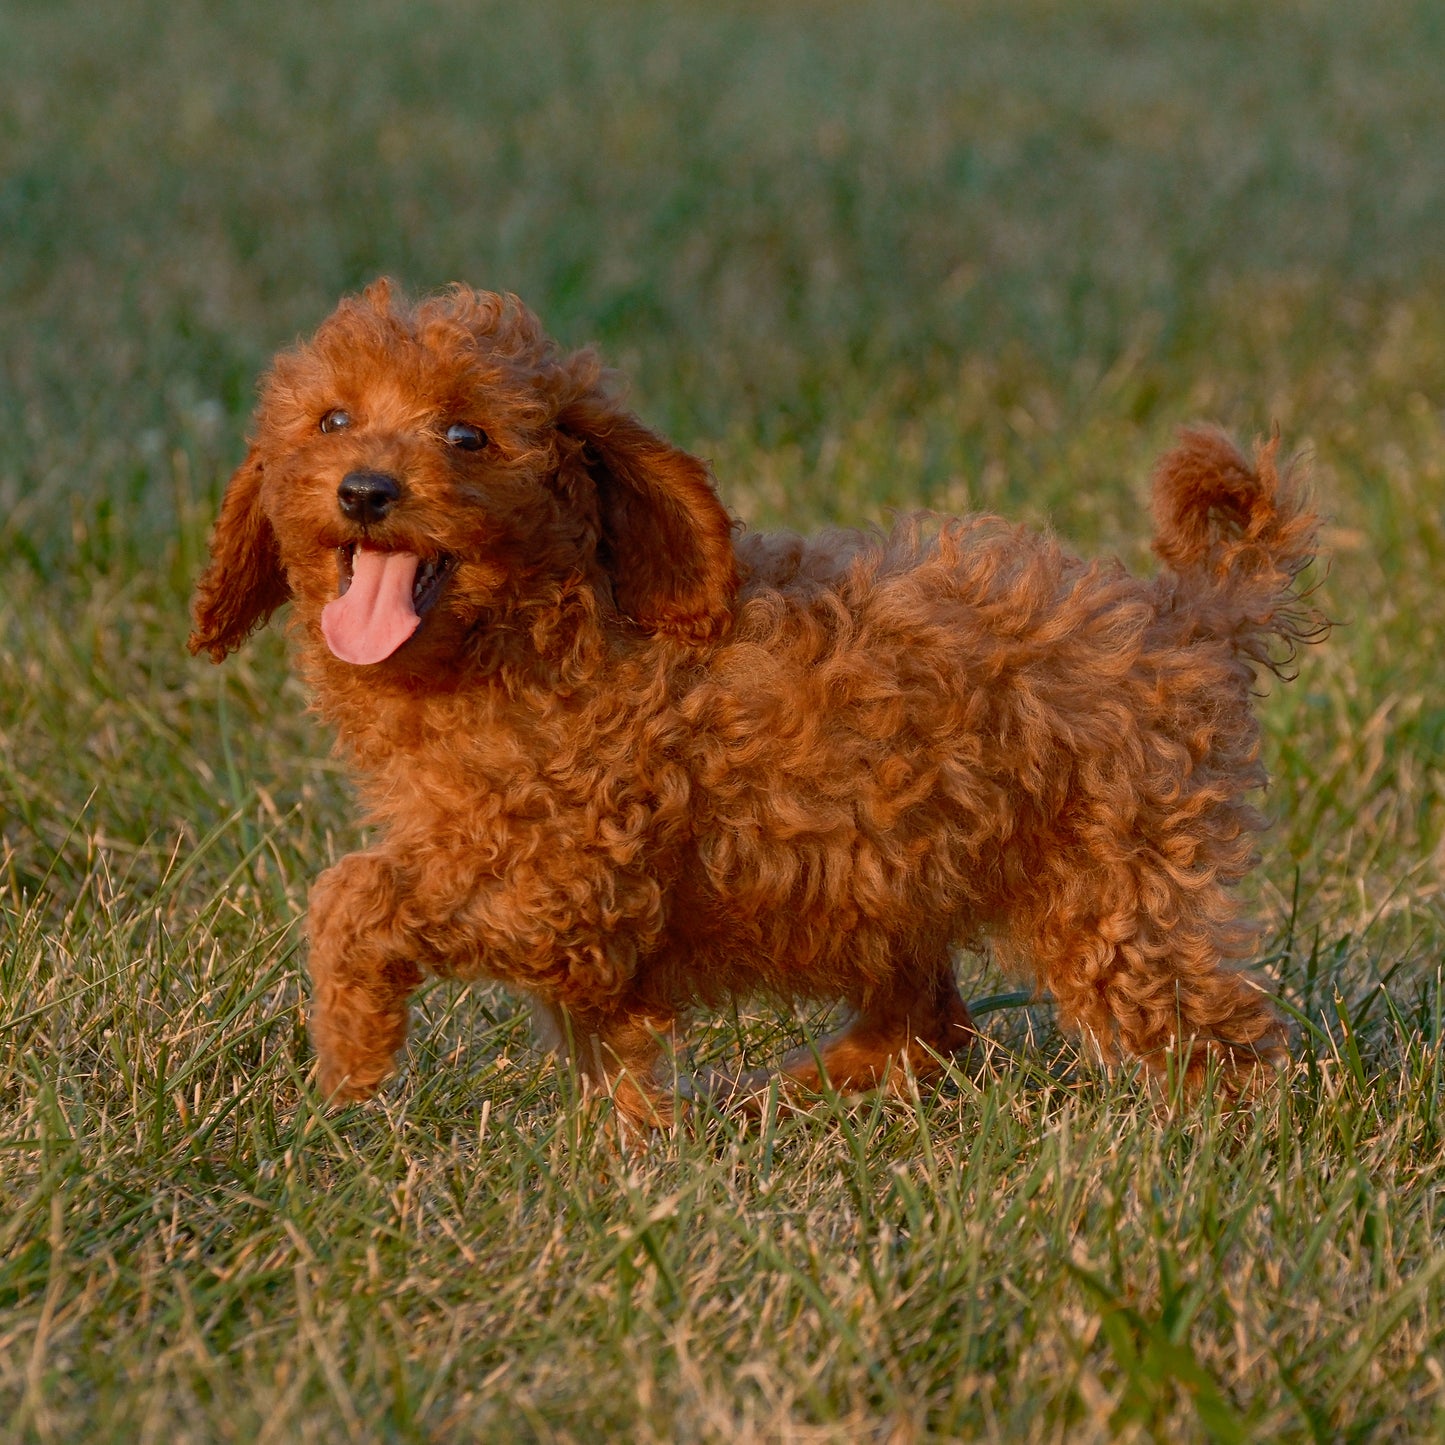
x=822 y=916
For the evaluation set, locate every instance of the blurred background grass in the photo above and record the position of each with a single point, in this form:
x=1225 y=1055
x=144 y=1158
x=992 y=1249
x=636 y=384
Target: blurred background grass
x=862 y=255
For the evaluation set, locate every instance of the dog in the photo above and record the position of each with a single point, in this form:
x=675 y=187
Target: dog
x=633 y=759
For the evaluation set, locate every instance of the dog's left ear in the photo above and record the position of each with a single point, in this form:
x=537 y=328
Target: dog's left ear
x=666 y=540
x=244 y=584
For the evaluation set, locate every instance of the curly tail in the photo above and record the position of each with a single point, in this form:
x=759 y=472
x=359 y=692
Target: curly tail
x=1237 y=537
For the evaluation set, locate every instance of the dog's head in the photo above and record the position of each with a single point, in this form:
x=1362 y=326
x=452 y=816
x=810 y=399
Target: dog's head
x=414 y=470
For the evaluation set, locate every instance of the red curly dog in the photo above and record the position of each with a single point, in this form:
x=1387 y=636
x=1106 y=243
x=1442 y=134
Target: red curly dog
x=630 y=758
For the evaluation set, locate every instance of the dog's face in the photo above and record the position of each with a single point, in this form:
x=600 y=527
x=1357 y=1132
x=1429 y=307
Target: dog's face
x=414 y=471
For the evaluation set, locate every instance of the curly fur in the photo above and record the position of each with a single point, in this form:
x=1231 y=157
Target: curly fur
x=637 y=759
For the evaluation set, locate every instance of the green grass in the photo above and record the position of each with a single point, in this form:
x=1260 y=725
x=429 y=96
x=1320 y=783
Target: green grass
x=863 y=255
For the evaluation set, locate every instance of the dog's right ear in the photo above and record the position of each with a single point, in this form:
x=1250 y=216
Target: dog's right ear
x=244 y=584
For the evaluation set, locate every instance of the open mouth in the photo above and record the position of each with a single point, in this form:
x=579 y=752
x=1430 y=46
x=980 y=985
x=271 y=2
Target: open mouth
x=426 y=586
x=380 y=600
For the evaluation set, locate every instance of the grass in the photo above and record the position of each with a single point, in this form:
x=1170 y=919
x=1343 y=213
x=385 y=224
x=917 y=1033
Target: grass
x=863 y=255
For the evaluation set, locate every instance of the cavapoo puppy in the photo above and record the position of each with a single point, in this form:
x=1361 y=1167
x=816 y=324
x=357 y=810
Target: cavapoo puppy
x=631 y=758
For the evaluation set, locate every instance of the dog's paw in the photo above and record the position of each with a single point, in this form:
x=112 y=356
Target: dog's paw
x=340 y=1086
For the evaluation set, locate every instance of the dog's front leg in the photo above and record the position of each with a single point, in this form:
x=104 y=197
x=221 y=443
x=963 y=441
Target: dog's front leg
x=363 y=969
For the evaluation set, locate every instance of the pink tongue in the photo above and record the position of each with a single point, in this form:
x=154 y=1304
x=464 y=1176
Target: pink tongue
x=374 y=616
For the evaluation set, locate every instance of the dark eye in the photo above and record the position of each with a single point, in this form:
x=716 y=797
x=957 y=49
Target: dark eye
x=336 y=420
x=469 y=438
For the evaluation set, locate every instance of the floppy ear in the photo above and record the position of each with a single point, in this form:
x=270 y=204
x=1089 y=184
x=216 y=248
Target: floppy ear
x=666 y=541
x=244 y=584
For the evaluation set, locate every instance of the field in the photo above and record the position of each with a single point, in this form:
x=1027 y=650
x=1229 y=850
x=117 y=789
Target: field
x=863 y=256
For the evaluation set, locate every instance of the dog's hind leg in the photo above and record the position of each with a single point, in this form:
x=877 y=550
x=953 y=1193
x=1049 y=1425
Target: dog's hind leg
x=1151 y=977
x=1178 y=1004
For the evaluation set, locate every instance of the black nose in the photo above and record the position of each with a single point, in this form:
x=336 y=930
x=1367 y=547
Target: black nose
x=367 y=496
